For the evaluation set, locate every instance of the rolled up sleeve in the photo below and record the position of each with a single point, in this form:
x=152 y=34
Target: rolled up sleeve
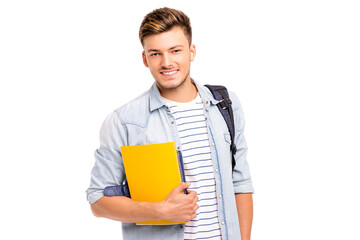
x=241 y=174
x=108 y=169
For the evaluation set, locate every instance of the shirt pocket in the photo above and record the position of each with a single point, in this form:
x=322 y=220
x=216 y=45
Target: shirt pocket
x=226 y=155
x=227 y=138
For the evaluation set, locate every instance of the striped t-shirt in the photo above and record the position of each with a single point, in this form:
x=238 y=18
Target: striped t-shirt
x=198 y=167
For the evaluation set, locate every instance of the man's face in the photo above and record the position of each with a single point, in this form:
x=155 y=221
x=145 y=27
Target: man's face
x=168 y=57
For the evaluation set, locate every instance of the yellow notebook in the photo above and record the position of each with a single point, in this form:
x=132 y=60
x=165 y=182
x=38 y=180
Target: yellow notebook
x=152 y=172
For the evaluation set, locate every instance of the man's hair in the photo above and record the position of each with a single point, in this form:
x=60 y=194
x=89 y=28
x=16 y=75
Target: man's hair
x=163 y=19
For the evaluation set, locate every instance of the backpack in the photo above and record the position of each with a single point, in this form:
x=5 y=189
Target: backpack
x=221 y=94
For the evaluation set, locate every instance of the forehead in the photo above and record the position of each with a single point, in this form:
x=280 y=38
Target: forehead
x=162 y=41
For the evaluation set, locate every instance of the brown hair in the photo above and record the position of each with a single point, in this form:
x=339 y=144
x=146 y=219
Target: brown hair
x=163 y=19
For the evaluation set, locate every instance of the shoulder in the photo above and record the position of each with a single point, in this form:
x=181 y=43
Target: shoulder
x=114 y=129
x=236 y=105
x=135 y=112
x=239 y=116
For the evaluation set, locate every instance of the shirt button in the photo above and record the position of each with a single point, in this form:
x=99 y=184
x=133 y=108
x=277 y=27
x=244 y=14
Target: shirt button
x=178 y=147
x=205 y=118
x=172 y=122
x=216 y=170
x=207 y=102
x=213 y=144
x=220 y=196
x=222 y=222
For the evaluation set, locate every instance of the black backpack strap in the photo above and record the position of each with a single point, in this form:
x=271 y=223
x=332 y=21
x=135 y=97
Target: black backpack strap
x=221 y=94
x=119 y=190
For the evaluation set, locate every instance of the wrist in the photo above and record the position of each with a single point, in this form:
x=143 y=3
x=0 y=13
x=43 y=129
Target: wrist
x=155 y=210
x=159 y=209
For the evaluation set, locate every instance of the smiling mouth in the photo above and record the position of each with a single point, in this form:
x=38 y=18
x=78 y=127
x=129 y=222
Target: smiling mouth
x=169 y=73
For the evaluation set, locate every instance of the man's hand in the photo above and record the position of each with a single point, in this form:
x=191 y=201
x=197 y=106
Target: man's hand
x=179 y=207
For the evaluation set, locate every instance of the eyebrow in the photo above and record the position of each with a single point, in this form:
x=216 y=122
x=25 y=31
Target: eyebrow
x=156 y=50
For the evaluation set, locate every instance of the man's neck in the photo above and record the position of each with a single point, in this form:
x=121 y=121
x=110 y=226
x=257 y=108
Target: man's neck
x=184 y=93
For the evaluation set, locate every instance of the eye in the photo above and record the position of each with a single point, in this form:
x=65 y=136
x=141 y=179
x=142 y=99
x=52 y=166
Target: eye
x=154 y=54
x=176 y=51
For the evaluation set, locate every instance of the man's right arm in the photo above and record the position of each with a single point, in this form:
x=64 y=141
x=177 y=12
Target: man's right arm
x=109 y=171
x=177 y=207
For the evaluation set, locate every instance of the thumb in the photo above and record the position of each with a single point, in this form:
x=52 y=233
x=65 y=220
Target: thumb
x=182 y=186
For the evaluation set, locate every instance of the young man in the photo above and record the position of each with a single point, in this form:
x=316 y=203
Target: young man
x=176 y=108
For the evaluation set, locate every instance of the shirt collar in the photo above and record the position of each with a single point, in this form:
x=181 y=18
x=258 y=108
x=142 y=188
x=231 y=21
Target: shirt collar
x=155 y=98
x=157 y=102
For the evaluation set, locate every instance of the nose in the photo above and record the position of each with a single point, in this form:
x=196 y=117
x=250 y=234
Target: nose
x=166 y=61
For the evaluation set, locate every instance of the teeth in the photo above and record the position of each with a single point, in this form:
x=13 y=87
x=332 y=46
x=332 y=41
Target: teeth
x=169 y=73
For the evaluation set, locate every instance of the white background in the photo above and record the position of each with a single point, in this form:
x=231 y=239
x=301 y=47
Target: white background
x=65 y=65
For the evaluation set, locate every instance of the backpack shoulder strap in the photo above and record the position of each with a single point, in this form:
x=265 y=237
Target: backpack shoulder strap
x=221 y=94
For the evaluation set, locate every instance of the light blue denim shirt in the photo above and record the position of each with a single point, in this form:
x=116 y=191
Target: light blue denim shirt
x=146 y=120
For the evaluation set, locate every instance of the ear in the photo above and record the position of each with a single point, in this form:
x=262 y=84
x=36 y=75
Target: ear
x=192 y=52
x=144 y=59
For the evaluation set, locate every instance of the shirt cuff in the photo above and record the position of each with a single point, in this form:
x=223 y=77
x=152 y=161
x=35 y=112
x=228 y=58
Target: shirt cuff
x=94 y=196
x=245 y=186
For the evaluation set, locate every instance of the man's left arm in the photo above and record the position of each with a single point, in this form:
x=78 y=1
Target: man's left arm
x=242 y=182
x=244 y=204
